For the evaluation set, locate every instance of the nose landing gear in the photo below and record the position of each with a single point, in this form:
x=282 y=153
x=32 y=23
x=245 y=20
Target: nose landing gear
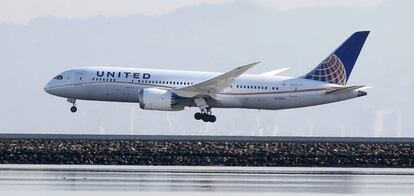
x=73 y=109
x=73 y=102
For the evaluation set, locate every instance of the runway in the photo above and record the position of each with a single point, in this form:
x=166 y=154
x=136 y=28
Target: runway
x=179 y=180
x=209 y=138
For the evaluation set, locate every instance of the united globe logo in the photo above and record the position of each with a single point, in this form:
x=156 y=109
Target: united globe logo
x=331 y=70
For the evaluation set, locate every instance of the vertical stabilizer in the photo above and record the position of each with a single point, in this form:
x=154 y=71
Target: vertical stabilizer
x=337 y=67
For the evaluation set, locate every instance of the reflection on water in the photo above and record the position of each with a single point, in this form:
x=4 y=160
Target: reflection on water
x=204 y=179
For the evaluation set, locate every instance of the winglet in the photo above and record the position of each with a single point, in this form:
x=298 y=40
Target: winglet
x=246 y=67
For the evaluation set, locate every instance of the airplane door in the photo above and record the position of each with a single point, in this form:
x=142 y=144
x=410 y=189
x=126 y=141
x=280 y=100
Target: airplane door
x=293 y=90
x=78 y=78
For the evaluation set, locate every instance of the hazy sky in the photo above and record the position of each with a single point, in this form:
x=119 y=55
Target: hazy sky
x=23 y=11
x=39 y=39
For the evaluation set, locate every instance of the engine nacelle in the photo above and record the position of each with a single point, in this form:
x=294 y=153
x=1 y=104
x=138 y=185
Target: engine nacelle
x=157 y=99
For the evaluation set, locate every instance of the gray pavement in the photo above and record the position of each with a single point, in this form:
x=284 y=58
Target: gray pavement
x=207 y=138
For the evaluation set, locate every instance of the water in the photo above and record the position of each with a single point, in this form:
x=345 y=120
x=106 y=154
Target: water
x=171 y=180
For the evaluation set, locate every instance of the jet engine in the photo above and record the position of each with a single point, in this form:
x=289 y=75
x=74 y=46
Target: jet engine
x=158 y=99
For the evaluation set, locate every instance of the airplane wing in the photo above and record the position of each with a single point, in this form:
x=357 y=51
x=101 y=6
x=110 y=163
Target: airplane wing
x=275 y=72
x=212 y=86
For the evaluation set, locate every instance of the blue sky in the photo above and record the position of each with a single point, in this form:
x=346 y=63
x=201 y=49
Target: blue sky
x=42 y=38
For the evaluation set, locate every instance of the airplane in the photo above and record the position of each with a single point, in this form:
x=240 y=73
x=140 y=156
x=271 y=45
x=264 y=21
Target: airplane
x=173 y=90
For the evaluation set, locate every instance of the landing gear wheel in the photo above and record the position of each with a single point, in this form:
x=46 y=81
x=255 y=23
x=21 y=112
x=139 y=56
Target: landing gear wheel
x=73 y=109
x=212 y=118
x=198 y=116
x=205 y=117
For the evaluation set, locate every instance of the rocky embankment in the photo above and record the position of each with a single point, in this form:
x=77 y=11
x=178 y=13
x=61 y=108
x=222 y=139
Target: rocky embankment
x=206 y=153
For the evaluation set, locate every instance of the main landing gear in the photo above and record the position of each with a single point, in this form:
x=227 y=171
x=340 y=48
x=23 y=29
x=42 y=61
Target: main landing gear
x=205 y=115
x=73 y=102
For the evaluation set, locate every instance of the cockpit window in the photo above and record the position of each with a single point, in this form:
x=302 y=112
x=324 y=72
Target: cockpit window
x=58 y=77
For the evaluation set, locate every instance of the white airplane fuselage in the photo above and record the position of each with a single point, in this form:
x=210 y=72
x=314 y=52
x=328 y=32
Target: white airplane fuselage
x=171 y=90
x=247 y=91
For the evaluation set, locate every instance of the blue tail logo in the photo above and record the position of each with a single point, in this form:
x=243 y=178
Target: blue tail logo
x=337 y=67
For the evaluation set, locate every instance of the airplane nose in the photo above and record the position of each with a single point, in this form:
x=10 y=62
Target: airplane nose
x=47 y=88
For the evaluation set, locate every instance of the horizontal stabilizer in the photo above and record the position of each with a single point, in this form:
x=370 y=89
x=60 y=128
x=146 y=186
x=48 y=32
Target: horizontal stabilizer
x=365 y=88
x=275 y=72
x=344 y=89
